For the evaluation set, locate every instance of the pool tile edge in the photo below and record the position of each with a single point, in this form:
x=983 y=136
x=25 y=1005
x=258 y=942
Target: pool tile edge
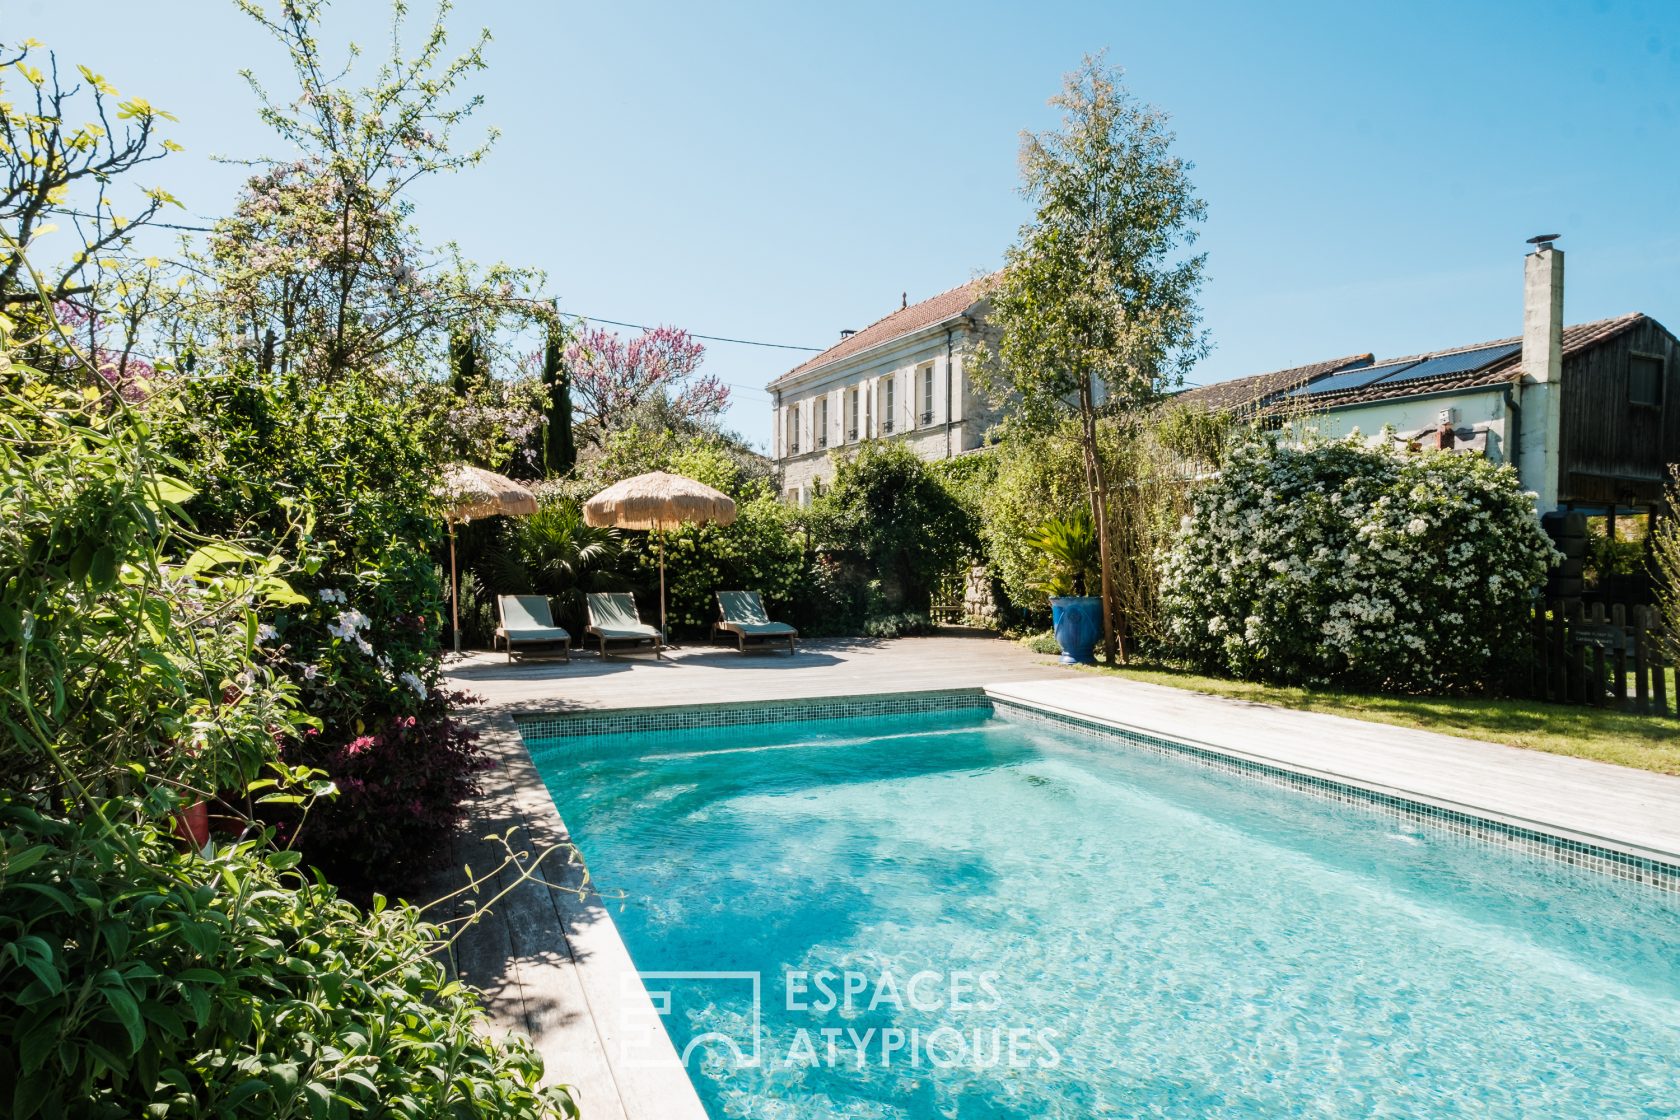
x=1598 y=854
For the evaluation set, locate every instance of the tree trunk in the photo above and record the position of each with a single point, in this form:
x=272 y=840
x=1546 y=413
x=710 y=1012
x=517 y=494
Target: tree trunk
x=1098 y=483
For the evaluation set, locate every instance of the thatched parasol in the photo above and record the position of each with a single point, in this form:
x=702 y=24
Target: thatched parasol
x=658 y=501
x=470 y=492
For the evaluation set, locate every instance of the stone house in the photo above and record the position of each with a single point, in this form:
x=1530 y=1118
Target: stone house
x=900 y=378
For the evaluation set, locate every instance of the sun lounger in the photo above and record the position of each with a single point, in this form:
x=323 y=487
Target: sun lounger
x=742 y=614
x=525 y=620
x=613 y=619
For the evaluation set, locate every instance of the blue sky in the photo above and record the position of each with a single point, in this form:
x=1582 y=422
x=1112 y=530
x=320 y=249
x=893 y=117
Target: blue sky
x=780 y=171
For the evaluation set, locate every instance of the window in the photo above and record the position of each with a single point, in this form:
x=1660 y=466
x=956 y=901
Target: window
x=927 y=393
x=822 y=422
x=852 y=420
x=1645 y=379
x=887 y=412
x=792 y=441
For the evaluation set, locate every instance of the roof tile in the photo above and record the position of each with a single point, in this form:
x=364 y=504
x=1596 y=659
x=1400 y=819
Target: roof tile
x=906 y=320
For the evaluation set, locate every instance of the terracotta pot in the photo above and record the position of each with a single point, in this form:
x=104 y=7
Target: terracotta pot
x=192 y=824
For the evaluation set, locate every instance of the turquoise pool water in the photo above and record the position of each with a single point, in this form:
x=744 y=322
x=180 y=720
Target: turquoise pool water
x=1162 y=940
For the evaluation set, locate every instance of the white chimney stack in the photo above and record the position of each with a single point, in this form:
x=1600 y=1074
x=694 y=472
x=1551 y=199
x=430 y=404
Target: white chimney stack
x=1540 y=419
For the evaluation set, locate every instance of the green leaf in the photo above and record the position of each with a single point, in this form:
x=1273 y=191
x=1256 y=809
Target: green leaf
x=162 y=491
x=25 y=859
x=102 y=573
x=29 y=1094
x=128 y=1013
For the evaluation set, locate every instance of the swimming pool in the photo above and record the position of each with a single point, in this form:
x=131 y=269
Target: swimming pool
x=967 y=914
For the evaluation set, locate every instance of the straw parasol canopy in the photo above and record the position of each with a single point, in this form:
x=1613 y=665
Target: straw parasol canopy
x=470 y=492
x=658 y=501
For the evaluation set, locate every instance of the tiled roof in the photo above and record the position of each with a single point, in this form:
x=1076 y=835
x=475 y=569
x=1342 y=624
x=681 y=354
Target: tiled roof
x=906 y=320
x=1582 y=336
x=1264 y=390
x=1243 y=393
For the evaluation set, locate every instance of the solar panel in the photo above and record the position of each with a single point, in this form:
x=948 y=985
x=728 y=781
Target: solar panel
x=1465 y=361
x=1348 y=379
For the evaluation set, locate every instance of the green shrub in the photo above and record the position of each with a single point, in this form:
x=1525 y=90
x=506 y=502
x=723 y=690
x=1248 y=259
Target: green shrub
x=1337 y=562
x=138 y=979
x=1042 y=643
x=132 y=638
x=903 y=625
x=1041 y=477
x=890 y=511
x=1038 y=479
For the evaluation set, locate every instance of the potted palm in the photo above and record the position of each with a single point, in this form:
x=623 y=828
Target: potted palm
x=1067 y=551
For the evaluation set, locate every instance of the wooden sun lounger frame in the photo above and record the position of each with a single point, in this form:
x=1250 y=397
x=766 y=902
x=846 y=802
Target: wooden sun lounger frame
x=502 y=633
x=724 y=626
x=602 y=637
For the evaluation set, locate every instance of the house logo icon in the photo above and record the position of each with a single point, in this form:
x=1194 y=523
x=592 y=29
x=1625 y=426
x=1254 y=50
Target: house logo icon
x=643 y=1044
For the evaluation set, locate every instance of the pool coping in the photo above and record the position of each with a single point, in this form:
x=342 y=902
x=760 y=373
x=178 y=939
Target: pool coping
x=555 y=952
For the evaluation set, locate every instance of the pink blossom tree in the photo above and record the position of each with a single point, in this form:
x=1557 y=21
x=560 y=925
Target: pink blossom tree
x=611 y=377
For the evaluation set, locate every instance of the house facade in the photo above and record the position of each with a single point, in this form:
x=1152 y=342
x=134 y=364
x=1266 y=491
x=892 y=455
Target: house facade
x=900 y=378
x=1586 y=413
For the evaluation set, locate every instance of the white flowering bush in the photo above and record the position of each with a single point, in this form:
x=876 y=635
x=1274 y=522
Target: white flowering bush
x=1341 y=563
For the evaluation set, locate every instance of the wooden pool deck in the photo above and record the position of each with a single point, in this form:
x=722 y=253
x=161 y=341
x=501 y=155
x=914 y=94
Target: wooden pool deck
x=550 y=960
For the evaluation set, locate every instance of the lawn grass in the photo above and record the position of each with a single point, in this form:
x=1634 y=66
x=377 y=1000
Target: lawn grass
x=1624 y=738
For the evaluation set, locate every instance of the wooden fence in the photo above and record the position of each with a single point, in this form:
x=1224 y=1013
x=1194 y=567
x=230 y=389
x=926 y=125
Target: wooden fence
x=1585 y=655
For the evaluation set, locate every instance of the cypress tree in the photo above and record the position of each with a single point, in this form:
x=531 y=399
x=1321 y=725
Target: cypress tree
x=463 y=362
x=559 y=452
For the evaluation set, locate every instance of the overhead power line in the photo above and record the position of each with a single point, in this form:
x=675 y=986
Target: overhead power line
x=569 y=314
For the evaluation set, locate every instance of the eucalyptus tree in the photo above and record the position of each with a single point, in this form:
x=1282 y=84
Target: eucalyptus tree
x=1094 y=313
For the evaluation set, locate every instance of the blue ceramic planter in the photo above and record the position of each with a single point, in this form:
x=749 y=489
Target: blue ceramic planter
x=1077 y=620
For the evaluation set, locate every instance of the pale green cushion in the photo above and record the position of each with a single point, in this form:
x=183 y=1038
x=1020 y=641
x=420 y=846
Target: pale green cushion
x=525 y=612
x=612 y=614
x=760 y=629
x=537 y=634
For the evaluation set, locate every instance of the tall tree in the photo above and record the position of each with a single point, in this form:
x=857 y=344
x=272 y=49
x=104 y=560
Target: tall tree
x=322 y=248
x=464 y=362
x=1094 y=312
x=559 y=448
x=56 y=170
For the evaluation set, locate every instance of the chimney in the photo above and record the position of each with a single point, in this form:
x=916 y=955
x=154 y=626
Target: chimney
x=1542 y=336
x=845 y=334
x=1540 y=391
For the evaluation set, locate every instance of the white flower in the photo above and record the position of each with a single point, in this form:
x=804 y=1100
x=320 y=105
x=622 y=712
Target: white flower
x=328 y=595
x=348 y=624
x=363 y=645
x=266 y=633
x=415 y=683
x=1417 y=526
x=310 y=672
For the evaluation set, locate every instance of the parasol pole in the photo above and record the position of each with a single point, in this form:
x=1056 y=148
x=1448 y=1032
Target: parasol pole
x=454 y=592
x=660 y=538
